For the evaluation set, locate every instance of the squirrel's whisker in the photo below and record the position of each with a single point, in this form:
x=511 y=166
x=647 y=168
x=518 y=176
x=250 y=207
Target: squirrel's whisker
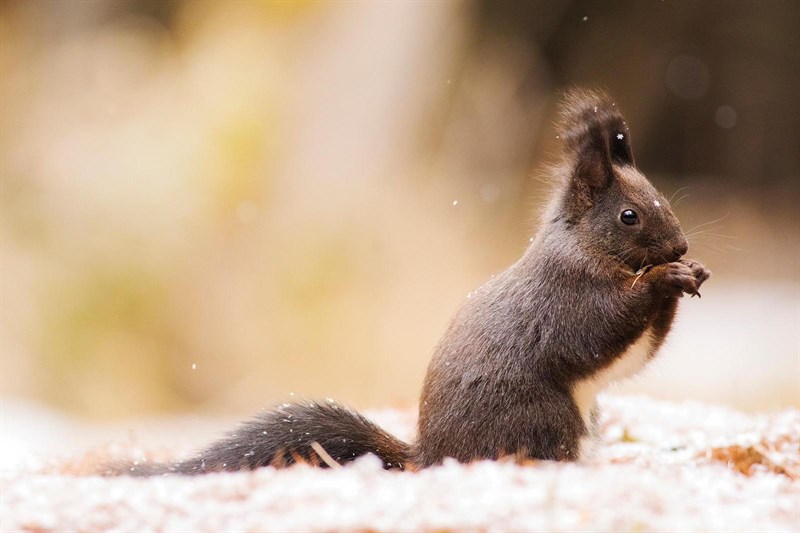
x=680 y=200
x=709 y=223
x=679 y=190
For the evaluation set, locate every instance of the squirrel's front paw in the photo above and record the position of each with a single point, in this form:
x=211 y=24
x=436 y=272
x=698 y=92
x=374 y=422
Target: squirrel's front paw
x=700 y=272
x=678 y=278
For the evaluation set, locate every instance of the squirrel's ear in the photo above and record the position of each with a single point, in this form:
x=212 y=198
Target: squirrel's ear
x=595 y=137
x=593 y=161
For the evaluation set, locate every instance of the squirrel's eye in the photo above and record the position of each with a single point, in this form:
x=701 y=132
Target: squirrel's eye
x=629 y=217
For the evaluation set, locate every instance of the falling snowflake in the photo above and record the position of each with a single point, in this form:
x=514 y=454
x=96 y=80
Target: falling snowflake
x=620 y=136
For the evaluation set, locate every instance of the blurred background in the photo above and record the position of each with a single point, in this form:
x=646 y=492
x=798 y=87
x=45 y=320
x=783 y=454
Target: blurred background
x=208 y=207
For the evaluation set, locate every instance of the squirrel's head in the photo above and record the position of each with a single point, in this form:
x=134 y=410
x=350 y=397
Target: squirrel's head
x=612 y=206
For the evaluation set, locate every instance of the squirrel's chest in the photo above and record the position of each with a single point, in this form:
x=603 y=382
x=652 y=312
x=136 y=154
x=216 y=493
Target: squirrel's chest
x=585 y=392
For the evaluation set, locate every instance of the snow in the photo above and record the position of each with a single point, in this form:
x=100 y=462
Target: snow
x=725 y=117
x=662 y=466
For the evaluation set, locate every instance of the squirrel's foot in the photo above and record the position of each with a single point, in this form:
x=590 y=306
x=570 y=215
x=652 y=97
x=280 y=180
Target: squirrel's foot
x=700 y=272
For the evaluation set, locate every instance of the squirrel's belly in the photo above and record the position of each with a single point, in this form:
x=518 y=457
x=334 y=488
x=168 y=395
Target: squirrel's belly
x=584 y=392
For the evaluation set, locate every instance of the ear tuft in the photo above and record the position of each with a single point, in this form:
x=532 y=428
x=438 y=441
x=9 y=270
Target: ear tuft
x=589 y=119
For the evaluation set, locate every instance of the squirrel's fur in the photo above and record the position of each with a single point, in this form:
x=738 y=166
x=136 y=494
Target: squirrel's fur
x=591 y=300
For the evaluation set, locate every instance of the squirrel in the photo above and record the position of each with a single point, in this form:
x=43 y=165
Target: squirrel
x=517 y=372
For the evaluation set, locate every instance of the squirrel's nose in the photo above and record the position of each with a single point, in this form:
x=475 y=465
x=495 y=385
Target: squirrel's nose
x=680 y=247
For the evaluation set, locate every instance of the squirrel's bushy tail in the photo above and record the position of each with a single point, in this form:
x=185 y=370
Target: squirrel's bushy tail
x=287 y=435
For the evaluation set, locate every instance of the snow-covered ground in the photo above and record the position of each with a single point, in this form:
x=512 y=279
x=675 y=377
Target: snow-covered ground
x=662 y=466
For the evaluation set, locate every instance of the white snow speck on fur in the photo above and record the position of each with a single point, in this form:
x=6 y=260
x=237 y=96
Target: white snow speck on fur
x=662 y=466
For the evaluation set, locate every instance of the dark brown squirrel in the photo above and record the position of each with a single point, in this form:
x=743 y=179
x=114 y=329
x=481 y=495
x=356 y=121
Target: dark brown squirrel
x=518 y=369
